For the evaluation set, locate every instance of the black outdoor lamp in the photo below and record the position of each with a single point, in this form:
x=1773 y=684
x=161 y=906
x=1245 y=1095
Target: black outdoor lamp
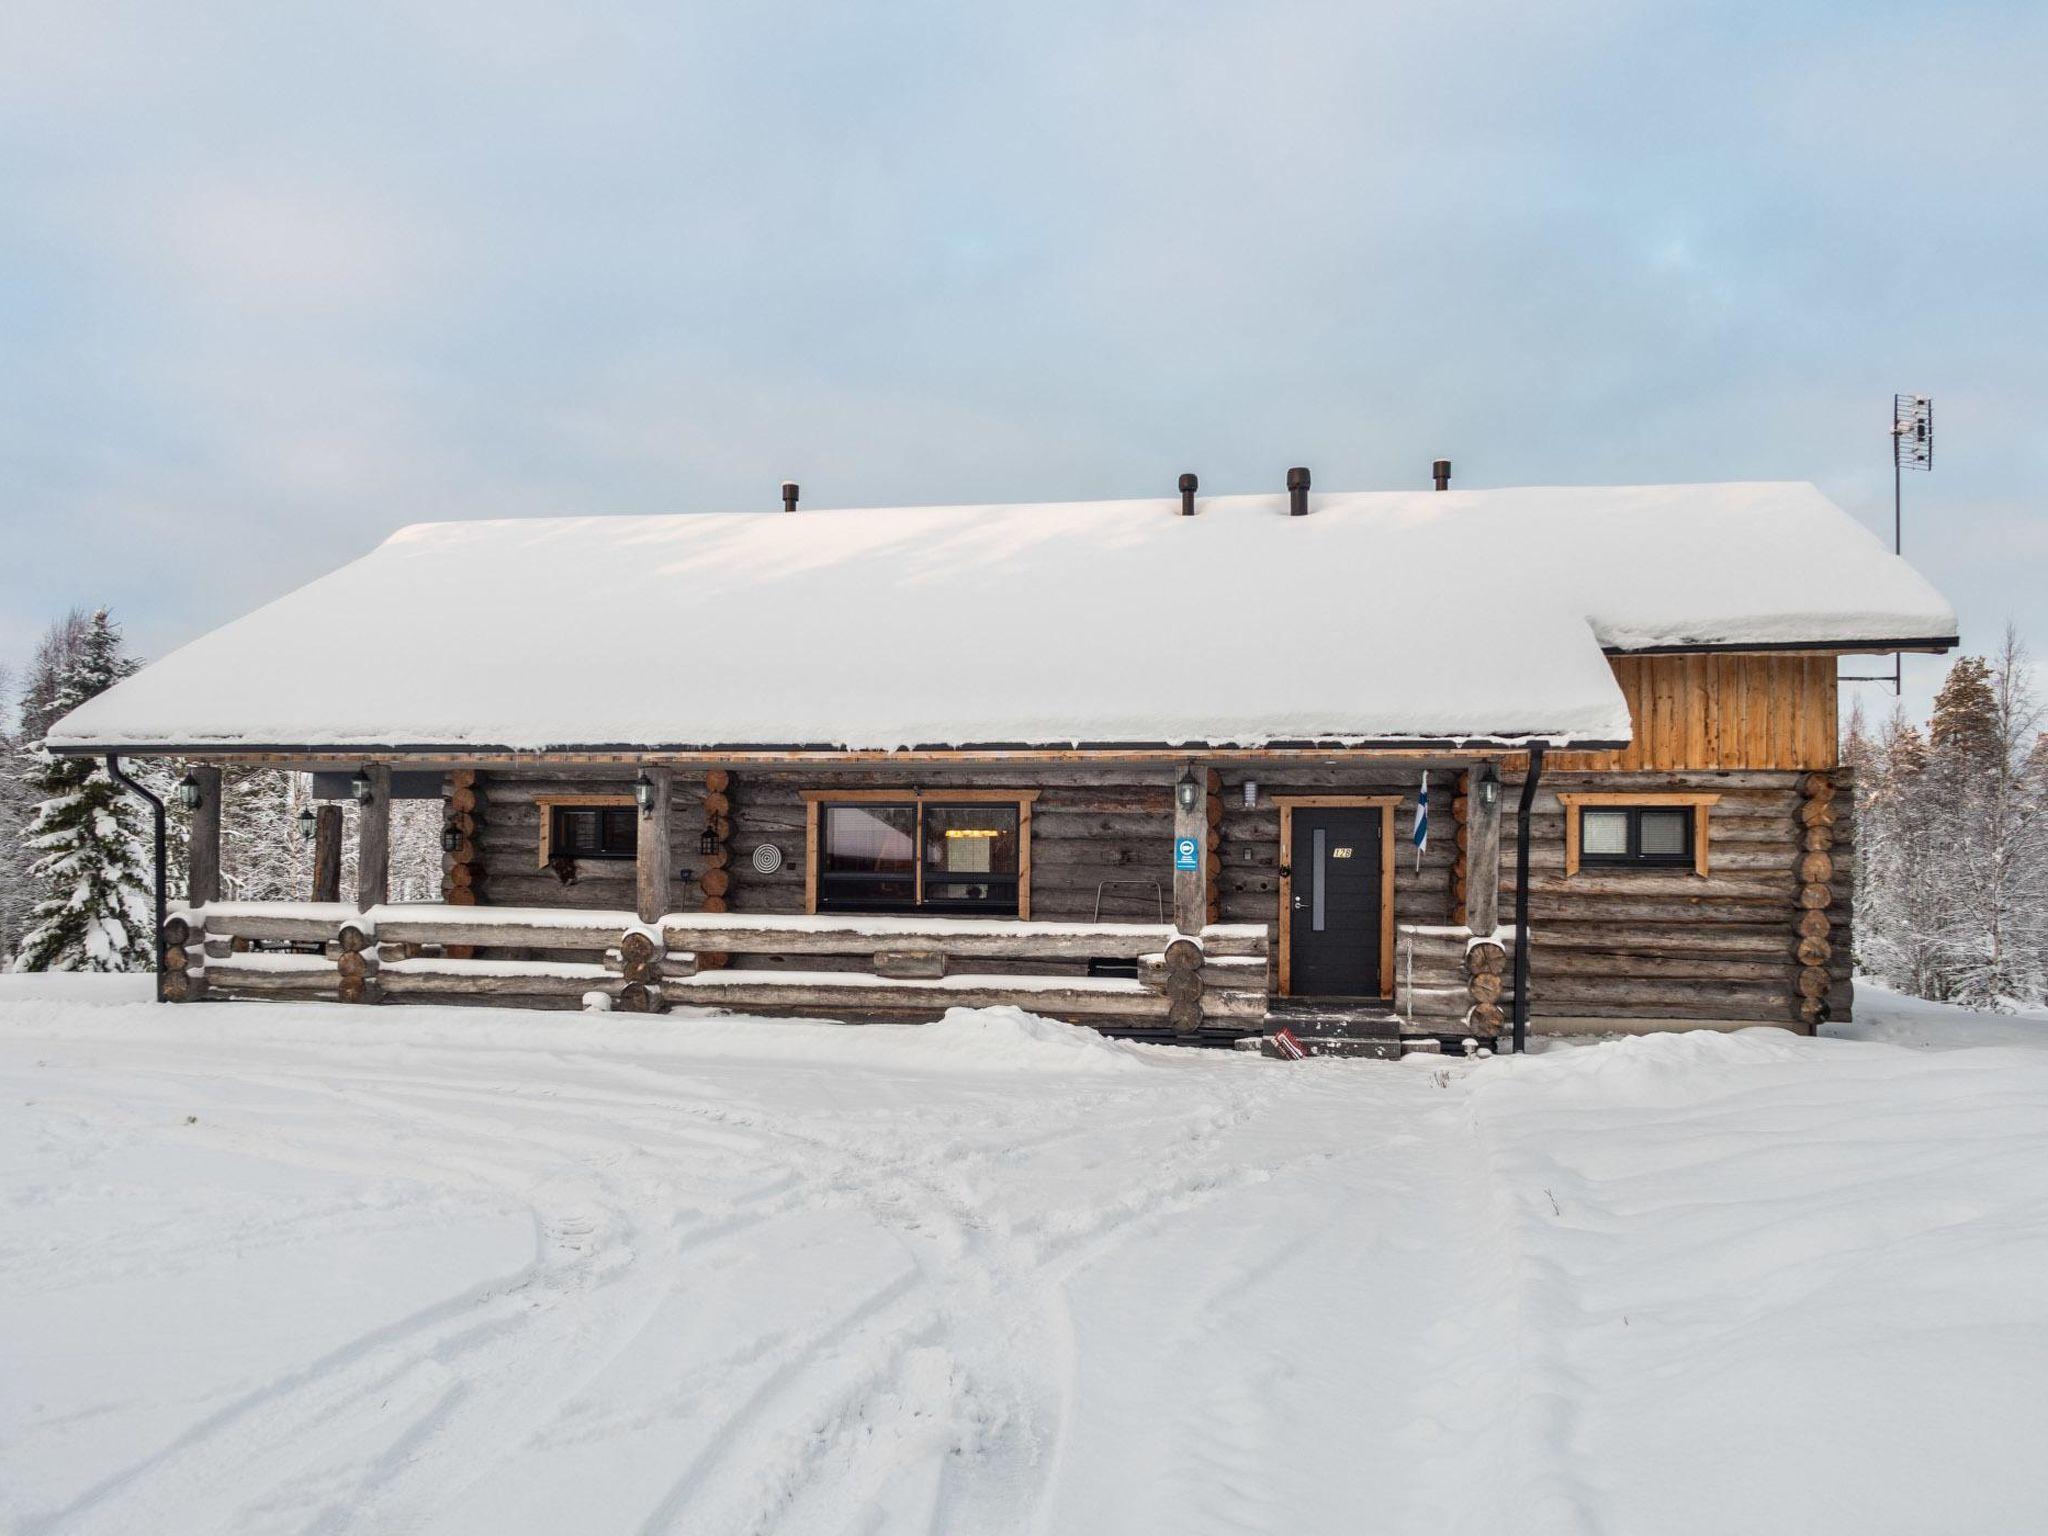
x=1489 y=791
x=1186 y=790
x=189 y=794
x=451 y=839
x=359 y=786
x=643 y=794
x=707 y=842
x=306 y=824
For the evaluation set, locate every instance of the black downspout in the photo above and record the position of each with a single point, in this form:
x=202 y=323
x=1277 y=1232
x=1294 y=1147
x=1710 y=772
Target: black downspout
x=156 y=807
x=1522 y=810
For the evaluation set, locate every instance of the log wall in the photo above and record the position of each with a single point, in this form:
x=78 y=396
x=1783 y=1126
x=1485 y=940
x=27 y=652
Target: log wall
x=1670 y=944
x=1608 y=944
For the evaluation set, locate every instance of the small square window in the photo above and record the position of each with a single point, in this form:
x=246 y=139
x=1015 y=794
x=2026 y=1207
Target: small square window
x=1629 y=835
x=593 y=832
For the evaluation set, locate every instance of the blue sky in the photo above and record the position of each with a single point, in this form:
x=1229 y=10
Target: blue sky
x=277 y=279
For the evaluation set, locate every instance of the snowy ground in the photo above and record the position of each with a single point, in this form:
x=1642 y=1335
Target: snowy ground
x=283 y=1269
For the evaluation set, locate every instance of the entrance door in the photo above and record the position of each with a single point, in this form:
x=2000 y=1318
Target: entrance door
x=1333 y=920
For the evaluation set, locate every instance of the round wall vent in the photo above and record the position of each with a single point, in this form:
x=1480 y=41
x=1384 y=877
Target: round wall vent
x=767 y=858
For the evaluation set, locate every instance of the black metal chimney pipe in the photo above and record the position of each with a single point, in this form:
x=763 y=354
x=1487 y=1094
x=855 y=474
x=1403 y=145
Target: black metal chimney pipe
x=156 y=809
x=789 y=495
x=1188 y=486
x=1297 y=492
x=1441 y=469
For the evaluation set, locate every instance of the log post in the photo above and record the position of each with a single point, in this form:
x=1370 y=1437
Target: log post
x=1811 y=948
x=327 y=853
x=714 y=869
x=1461 y=836
x=1213 y=862
x=203 y=857
x=373 y=851
x=1191 y=886
x=1482 y=854
x=184 y=950
x=651 y=861
x=1486 y=968
x=462 y=867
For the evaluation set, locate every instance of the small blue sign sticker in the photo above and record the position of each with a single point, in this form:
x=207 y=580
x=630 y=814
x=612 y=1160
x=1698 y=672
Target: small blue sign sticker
x=1185 y=853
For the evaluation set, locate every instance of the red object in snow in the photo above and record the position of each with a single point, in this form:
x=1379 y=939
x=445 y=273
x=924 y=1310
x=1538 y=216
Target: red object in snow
x=1288 y=1046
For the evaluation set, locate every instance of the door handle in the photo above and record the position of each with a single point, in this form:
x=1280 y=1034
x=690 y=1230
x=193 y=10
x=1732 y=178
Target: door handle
x=1299 y=903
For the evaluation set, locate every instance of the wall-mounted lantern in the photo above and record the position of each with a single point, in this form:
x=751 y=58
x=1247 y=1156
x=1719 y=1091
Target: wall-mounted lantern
x=1251 y=794
x=189 y=794
x=1187 y=789
x=1489 y=791
x=360 y=787
x=643 y=794
x=707 y=841
x=306 y=824
x=451 y=839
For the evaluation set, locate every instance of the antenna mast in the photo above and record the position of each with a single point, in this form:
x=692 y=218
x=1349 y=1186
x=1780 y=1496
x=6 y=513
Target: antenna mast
x=1912 y=448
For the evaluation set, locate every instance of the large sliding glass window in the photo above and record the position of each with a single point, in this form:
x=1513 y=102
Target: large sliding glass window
x=970 y=858
x=916 y=856
x=867 y=858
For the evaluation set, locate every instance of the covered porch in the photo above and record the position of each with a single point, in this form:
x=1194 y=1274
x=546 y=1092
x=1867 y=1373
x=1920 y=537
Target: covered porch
x=1255 y=889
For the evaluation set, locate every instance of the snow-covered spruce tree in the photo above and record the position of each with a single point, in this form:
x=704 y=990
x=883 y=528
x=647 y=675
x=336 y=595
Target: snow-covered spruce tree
x=34 y=704
x=13 y=824
x=94 y=913
x=1953 y=832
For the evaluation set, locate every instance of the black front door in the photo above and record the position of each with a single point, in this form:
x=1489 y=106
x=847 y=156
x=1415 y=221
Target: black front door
x=1334 y=922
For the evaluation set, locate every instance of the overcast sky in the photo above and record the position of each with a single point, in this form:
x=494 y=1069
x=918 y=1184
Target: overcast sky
x=277 y=279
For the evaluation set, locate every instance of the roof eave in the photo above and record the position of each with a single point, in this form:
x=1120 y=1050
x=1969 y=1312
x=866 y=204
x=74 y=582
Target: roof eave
x=1490 y=743
x=1933 y=645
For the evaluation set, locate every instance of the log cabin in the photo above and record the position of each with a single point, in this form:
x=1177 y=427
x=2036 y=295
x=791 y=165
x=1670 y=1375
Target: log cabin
x=1159 y=766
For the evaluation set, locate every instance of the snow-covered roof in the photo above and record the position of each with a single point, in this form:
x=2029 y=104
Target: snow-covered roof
x=1378 y=617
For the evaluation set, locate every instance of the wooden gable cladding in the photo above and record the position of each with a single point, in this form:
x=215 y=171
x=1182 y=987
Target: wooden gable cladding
x=1738 y=710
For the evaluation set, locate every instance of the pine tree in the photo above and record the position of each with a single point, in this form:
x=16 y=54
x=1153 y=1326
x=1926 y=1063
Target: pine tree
x=1964 y=725
x=94 y=914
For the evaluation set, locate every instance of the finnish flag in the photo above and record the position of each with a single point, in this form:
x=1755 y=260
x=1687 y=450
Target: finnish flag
x=1422 y=821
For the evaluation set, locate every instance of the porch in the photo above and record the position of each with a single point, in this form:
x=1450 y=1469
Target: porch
x=1170 y=898
x=1132 y=979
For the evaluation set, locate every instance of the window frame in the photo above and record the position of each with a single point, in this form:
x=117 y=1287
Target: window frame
x=815 y=799
x=547 y=805
x=1577 y=803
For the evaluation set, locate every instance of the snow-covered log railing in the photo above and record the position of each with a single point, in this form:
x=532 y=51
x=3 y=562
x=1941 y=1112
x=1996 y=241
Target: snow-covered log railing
x=1142 y=978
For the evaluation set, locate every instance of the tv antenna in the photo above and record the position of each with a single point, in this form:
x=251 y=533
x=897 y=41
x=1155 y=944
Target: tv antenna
x=1912 y=448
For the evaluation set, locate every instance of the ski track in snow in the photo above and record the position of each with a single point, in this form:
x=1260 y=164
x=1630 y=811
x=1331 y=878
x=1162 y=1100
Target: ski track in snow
x=491 y=1273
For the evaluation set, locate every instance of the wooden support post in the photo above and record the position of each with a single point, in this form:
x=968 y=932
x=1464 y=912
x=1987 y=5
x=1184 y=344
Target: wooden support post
x=373 y=850
x=651 y=862
x=1482 y=853
x=1191 y=886
x=203 y=858
x=327 y=853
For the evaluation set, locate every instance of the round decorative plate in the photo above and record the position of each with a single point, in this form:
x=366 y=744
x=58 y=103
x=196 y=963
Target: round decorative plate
x=767 y=858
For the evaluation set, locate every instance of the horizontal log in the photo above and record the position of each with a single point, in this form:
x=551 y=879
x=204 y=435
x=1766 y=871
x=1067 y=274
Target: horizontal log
x=909 y=964
x=317 y=925
x=758 y=990
x=401 y=983
x=743 y=933
x=597 y=934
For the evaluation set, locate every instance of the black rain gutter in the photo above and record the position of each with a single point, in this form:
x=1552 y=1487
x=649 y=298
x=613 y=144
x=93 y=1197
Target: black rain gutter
x=156 y=808
x=1932 y=643
x=1522 y=811
x=1506 y=742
